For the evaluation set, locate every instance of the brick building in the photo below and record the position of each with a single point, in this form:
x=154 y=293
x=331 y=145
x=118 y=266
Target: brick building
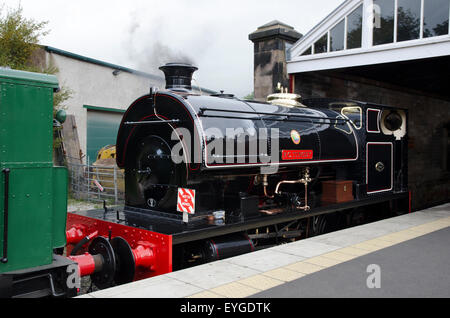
x=394 y=52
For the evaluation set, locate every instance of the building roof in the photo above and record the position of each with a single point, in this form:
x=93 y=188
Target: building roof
x=304 y=56
x=75 y=56
x=275 y=23
x=275 y=28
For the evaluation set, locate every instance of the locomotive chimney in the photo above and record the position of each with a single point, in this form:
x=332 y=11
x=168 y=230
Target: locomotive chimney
x=178 y=75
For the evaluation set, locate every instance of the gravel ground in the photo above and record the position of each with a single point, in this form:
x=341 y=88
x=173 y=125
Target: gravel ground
x=74 y=206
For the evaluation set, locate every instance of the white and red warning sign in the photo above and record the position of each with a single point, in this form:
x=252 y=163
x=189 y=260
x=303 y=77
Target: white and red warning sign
x=186 y=200
x=99 y=186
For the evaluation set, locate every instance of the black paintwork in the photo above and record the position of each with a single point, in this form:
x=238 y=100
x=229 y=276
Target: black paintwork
x=336 y=138
x=379 y=167
x=320 y=129
x=41 y=281
x=323 y=131
x=178 y=75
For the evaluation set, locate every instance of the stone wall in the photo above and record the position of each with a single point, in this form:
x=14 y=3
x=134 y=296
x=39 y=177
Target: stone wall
x=269 y=67
x=429 y=174
x=270 y=43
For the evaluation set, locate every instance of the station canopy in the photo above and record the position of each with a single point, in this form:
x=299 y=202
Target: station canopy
x=400 y=42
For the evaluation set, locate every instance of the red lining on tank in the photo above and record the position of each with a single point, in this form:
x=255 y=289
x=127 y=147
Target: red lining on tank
x=120 y=127
x=287 y=161
x=129 y=136
x=192 y=119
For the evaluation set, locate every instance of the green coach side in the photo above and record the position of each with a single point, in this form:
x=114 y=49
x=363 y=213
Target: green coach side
x=33 y=193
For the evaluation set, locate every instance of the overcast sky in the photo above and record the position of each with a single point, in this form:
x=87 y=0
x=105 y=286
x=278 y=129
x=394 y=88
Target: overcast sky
x=141 y=34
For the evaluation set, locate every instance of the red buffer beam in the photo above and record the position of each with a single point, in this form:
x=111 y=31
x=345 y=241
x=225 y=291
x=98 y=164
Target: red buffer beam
x=144 y=253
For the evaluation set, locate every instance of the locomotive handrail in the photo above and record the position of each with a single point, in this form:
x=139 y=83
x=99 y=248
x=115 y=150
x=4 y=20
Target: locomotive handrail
x=287 y=119
x=204 y=109
x=4 y=258
x=258 y=118
x=151 y=122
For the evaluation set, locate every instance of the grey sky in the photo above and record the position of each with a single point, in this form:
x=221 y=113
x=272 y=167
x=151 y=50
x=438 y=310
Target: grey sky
x=212 y=34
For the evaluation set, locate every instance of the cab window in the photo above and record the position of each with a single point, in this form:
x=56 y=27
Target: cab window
x=354 y=113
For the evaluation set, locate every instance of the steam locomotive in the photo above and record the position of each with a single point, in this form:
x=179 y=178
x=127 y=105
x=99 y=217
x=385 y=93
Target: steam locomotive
x=212 y=176
x=209 y=177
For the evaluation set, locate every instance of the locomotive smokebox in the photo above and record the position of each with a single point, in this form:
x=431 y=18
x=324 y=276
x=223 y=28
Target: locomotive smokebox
x=178 y=75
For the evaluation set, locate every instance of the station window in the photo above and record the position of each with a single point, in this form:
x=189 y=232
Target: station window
x=408 y=20
x=337 y=37
x=383 y=29
x=394 y=21
x=308 y=51
x=407 y=17
x=321 y=45
x=349 y=28
x=435 y=17
x=354 y=28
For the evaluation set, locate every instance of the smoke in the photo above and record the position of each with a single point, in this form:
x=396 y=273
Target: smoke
x=147 y=48
x=159 y=54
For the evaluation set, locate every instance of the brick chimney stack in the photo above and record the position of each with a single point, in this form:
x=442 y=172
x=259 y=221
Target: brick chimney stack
x=270 y=43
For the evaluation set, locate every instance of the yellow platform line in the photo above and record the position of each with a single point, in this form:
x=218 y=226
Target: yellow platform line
x=252 y=285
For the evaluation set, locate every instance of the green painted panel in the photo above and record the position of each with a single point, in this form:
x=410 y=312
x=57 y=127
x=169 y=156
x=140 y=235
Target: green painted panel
x=30 y=225
x=102 y=128
x=26 y=142
x=105 y=109
x=25 y=123
x=60 y=180
x=23 y=77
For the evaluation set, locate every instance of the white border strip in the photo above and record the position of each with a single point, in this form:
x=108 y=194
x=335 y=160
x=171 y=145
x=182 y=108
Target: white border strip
x=367 y=165
x=378 y=120
x=282 y=163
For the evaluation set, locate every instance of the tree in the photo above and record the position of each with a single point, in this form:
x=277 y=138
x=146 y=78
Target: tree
x=250 y=96
x=408 y=25
x=19 y=38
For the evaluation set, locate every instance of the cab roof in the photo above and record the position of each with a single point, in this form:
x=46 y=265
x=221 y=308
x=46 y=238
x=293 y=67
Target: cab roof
x=23 y=77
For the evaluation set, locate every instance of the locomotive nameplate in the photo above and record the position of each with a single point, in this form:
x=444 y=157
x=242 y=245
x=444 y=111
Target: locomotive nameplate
x=297 y=154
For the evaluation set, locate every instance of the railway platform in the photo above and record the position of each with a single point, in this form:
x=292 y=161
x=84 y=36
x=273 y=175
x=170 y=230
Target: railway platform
x=404 y=256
